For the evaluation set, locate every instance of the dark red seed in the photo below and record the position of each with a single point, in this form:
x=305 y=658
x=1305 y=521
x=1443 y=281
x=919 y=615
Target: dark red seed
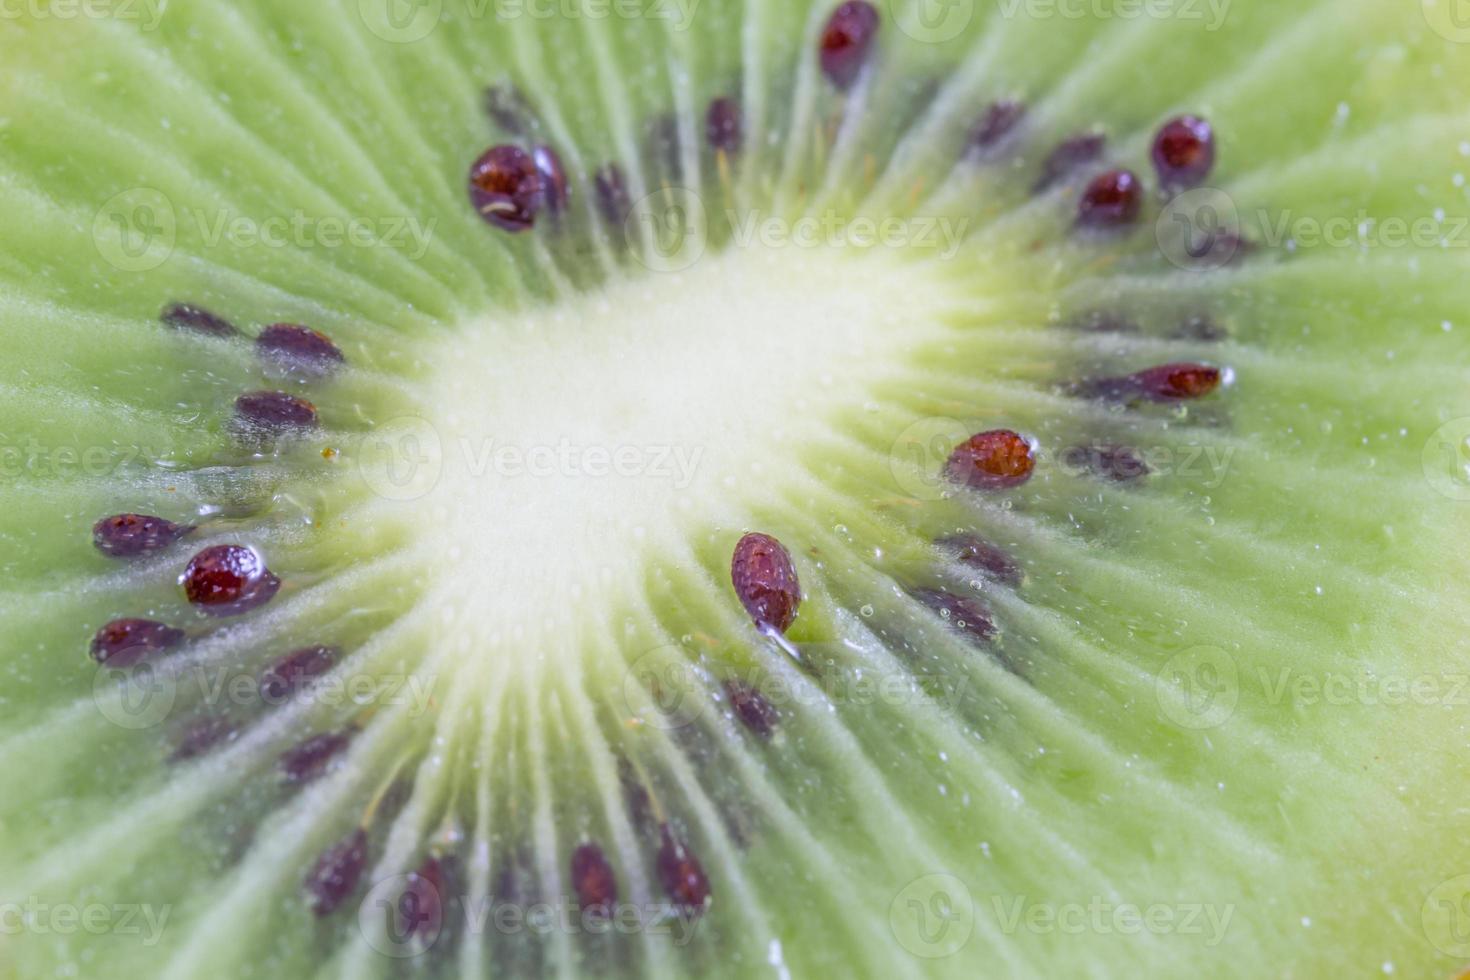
x=1176 y=382
x=293 y=349
x=228 y=579
x=202 y=736
x=999 y=122
x=124 y=642
x=1070 y=156
x=292 y=672
x=309 y=760
x=593 y=879
x=553 y=177
x=996 y=460
x=977 y=553
x=421 y=906
x=1110 y=200
x=964 y=615
x=508 y=107
x=275 y=411
x=1121 y=464
x=681 y=874
x=846 y=41
x=197 y=319
x=506 y=187
x=752 y=708
x=334 y=877
x=723 y=125
x=765 y=580
x=612 y=194
x=128 y=535
x=1184 y=152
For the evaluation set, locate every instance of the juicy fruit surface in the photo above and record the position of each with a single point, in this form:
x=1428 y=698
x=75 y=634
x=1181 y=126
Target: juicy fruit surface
x=1203 y=719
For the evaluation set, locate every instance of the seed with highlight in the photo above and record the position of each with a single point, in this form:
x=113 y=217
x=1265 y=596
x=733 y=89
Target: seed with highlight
x=681 y=873
x=275 y=411
x=228 y=579
x=1184 y=152
x=1068 y=157
x=553 y=177
x=421 y=906
x=295 y=670
x=183 y=316
x=129 y=535
x=1176 y=382
x=723 y=125
x=752 y=708
x=846 y=41
x=765 y=580
x=996 y=460
x=612 y=194
x=124 y=642
x=1110 y=200
x=593 y=879
x=975 y=552
x=965 y=615
x=309 y=760
x=336 y=873
x=996 y=125
x=289 y=348
x=506 y=187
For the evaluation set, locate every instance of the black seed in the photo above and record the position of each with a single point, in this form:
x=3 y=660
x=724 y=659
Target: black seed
x=998 y=123
x=553 y=177
x=1111 y=200
x=336 y=873
x=1068 y=157
x=309 y=760
x=508 y=107
x=681 y=873
x=846 y=41
x=421 y=906
x=506 y=187
x=124 y=642
x=275 y=411
x=291 y=349
x=964 y=615
x=295 y=670
x=765 y=581
x=128 y=535
x=593 y=879
x=975 y=552
x=1120 y=464
x=202 y=736
x=723 y=125
x=197 y=319
x=1184 y=152
x=612 y=194
x=228 y=579
x=752 y=708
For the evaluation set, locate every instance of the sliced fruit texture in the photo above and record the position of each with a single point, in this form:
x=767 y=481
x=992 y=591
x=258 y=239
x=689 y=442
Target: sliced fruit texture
x=735 y=489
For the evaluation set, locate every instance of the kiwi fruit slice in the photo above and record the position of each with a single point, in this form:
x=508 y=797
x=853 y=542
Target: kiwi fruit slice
x=751 y=489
